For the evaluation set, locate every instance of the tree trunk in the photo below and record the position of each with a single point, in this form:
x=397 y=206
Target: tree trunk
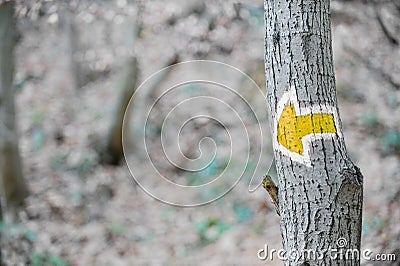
x=110 y=148
x=111 y=151
x=320 y=189
x=13 y=189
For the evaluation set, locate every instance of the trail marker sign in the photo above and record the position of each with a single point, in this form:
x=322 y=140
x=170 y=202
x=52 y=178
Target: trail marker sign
x=296 y=127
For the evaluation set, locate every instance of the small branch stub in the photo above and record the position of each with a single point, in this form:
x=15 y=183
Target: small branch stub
x=270 y=186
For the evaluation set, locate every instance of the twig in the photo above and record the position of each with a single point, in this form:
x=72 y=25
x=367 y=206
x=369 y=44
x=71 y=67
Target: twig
x=272 y=189
x=374 y=68
x=397 y=5
x=385 y=30
x=163 y=76
x=197 y=8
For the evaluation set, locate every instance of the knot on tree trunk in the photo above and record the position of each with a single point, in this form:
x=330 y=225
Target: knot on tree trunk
x=352 y=176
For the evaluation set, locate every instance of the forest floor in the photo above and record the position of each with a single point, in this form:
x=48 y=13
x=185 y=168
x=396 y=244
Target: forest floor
x=79 y=212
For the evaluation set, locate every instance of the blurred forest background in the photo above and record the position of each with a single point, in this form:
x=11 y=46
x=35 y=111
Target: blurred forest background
x=73 y=60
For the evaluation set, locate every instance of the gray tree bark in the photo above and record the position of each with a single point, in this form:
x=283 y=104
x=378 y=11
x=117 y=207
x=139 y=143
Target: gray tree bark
x=320 y=189
x=13 y=189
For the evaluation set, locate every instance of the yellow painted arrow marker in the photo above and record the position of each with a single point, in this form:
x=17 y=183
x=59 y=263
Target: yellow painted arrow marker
x=292 y=128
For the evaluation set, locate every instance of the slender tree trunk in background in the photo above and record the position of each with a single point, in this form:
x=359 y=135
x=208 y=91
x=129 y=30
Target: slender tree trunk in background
x=13 y=190
x=110 y=148
x=320 y=189
x=111 y=151
x=75 y=69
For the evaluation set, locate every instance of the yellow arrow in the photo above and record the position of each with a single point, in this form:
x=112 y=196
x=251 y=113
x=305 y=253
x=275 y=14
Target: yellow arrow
x=292 y=128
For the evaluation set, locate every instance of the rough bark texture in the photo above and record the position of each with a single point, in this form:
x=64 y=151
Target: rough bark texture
x=13 y=187
x=320 y=201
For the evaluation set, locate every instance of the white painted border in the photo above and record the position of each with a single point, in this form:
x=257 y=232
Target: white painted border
x=290 y=97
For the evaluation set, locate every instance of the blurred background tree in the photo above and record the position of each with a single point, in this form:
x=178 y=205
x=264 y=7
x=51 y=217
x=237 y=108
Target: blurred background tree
x=13 y=187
